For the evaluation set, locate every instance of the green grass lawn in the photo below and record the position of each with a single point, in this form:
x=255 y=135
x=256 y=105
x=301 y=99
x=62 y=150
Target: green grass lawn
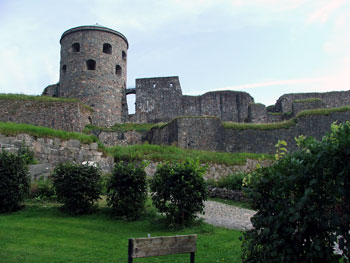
x=42 y=233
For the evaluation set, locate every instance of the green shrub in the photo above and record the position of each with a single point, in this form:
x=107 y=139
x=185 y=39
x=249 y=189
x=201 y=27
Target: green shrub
x=179 y=191
x=14 y=181
x=43 y=189
x=302 y=203
x=26 y=154
x=232 y=182
x=127 y=190
x=77 y=186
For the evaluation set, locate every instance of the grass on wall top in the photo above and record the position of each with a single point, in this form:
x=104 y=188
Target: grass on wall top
x=308 y=100
x=172 y=153
x=259 y=126
x=141 y=127
x=324 y=111
x=284 y=124
x=22 y=97
x=12 y=129
x=134 y=152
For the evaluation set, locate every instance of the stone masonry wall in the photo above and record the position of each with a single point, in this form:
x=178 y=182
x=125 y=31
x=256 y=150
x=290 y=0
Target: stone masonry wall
x=121 y=138
x=301 y=106
x=264 y=141
x=331 y=99
x=157 y=99
x=50 y=152
x=161 y=100
x=93 y=73
x=217 y=171
x=208 y=134
x=68 y=116
x=225 y=105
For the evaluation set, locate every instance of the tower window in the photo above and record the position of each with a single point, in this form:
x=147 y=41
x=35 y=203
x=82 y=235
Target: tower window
x=123 y=55
x=107 y=48
x=76 y=47
x=91 y=64
x=154 y=85
x=171 y=84
x=64 y=69
x=118 y=70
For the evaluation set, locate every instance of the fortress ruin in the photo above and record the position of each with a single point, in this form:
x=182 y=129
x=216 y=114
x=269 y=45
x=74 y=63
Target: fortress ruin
x=93 y=69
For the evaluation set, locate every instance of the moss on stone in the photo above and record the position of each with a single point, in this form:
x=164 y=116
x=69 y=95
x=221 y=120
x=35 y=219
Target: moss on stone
x=284 y=124
x=12 y=129
x=259 y=126
x=323 y=111
x=308 y=100
x=22 y=97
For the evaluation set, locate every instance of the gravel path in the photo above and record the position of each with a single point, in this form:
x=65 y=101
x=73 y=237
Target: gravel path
x=228 y=216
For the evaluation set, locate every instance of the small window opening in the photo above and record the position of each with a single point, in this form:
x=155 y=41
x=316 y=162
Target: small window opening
x=64 y=69
x=107 y=48
x=91 y=64
x=118 y=70
x=154 y=85
x=123 y=55
x=76 y=47
x=171 y=85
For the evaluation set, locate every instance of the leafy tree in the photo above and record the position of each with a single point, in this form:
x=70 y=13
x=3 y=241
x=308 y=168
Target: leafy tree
x=127 y=190
x=14 y=181
x=77 y=186
x=302 y=203
x=179 y=191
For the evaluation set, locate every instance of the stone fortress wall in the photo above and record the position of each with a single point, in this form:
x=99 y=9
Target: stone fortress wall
x=161 y=100
x=93 y=70
x=207 y=133
x=60 y=115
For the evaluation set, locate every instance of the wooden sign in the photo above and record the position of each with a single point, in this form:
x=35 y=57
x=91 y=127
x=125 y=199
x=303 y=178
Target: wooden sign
x=160 y=246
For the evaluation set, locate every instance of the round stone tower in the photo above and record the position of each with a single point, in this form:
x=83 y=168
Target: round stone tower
x=93 y=69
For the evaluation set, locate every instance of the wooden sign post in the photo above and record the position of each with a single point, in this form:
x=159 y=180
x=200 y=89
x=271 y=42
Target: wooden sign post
x=160 y=246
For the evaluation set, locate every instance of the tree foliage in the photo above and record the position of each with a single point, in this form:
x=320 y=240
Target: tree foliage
x=14 y=181
x=127 y=190
x=303 y=203
x=77 y=186
x=179 y=191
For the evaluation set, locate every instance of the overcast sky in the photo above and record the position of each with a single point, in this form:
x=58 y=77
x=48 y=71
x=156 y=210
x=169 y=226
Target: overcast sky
x=264 y=47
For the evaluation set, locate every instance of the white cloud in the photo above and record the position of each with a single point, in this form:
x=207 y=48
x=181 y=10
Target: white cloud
x=327 y=9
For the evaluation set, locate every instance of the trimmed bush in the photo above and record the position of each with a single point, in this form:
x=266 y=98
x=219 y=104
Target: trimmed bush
x=232 y=182
x=302 y=203
x=77 y=186
x=127 y=190
x=26 y=154
x=179 y=191
x=14 y=181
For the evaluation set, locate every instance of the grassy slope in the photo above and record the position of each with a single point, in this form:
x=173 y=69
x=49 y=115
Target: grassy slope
x=284 y=124
x=134 y=152
x=40 y=98
x=41 y=233
x=172 y=153
x=12 y=129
